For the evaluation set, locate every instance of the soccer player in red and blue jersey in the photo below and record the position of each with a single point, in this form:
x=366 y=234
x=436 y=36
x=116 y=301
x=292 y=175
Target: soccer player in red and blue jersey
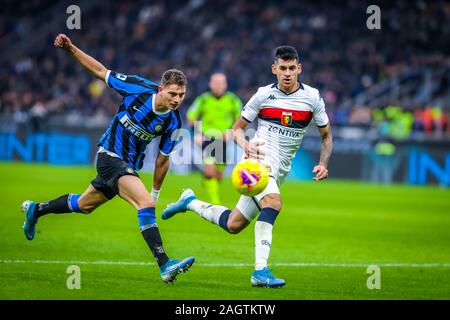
x=283 y=110
x=148 y=110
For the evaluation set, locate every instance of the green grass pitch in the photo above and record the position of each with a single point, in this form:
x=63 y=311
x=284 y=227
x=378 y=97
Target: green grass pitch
x=326 y=236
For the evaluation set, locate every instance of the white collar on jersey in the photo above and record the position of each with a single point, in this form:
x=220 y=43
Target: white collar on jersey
x=154 y=109
x=300 y=86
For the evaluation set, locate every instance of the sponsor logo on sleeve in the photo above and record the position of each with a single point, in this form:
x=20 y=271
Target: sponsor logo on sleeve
x=121 y=76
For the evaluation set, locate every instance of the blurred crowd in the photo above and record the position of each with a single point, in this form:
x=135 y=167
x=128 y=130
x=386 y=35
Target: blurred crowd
x=396 y=122
x=340 y=55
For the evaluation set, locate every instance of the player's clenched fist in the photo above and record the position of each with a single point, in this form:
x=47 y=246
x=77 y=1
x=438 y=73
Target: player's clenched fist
x=63 y=41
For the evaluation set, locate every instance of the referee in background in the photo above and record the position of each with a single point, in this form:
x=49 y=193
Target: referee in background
x=217 y=110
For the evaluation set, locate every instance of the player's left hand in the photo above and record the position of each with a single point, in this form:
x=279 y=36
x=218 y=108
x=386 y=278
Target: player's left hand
x=321 y=172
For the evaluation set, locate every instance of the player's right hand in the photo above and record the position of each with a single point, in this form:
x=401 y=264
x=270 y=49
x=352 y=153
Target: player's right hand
x=321 y=172
x=255 y=151
x=62 y=41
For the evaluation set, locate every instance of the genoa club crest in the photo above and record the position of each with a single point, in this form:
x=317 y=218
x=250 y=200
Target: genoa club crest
x=286 y=118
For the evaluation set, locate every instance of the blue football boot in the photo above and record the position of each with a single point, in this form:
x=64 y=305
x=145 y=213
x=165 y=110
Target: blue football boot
x=29 y=226
x=180 y=206
x=172 y=268
x=264 y=278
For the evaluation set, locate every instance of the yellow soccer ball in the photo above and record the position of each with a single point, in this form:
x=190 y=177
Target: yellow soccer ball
x=249 y=177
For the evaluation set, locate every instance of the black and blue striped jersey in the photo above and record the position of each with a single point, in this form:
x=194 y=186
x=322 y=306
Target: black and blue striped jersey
x=137 y=122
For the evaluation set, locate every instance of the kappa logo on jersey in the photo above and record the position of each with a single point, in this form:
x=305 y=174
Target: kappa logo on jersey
x=135 y=129
x=272 y=97
x=286 y=118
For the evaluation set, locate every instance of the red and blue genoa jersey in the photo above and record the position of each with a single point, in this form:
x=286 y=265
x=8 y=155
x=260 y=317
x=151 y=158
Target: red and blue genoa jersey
x=283 y=119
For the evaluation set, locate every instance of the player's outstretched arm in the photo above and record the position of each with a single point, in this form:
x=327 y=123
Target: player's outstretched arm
x=161 y=167
x=251 y=149
x=93 y=66
x=321 y=170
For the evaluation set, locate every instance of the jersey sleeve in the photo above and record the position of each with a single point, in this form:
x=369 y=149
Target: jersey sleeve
x=251 y=109
x=129 y=84
x=195 y=109
x=319 y=114
x=169 y=140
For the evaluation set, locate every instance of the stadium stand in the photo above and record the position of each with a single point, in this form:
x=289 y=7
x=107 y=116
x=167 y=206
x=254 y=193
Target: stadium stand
x=358 y=71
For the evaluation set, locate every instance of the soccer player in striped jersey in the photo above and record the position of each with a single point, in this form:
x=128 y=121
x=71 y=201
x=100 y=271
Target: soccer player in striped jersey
x=284 y=110
x=148 y=110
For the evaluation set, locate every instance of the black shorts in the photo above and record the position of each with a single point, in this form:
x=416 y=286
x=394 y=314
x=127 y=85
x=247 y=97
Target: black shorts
x=214 y=149
x=109 y=170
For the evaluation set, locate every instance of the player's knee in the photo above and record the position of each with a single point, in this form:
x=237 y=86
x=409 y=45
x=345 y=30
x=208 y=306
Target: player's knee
x=272 y=201
x=146 y=203
x=277 y=206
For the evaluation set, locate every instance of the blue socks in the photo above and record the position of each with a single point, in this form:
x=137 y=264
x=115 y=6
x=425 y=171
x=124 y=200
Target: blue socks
x=223 y=220
x=146 y=217
x=268 y=215
x=150 y=232
x=64 y=204
x=72 y=202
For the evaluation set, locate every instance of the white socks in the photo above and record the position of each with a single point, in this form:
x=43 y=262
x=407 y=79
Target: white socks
x=207 y=211
x=263 y=241
x=263 y=227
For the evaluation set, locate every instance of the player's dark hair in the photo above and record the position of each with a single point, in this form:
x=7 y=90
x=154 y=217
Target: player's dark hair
x=173 y=76
x=285 y=53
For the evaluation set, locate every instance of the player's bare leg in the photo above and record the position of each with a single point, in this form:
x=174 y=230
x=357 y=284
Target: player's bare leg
x=84 y=203
x=233 y=221
x=132 y=189
x=236 y=221
x=90 y=200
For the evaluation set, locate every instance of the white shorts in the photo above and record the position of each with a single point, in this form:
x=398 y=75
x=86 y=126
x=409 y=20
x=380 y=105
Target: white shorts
x=249 y=206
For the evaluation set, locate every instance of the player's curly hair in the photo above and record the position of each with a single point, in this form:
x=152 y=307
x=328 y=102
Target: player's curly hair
x=173 y=76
